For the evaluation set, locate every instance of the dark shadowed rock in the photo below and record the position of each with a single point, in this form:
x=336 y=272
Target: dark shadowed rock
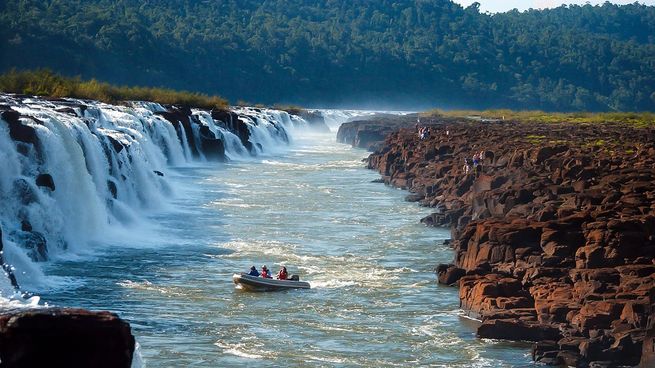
x=517 y=330
x=17 y=130
x=113 y=190
x=648 y=348
x=46 y=181
x=212 y=147
x=449 y=274
x=118 y=146
x=34 y=242
x=52 y=337
x=231 y=121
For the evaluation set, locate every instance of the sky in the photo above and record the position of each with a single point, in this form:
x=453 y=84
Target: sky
x=495 y=6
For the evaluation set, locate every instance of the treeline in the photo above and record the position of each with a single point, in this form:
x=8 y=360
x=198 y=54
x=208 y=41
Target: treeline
x=46 y=83
x=398 y=53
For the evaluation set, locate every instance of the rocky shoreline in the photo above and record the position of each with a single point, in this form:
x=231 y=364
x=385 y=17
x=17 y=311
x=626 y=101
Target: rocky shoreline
x=554 y=232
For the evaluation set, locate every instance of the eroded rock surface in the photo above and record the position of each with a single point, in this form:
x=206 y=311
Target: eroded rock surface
x=554 y=230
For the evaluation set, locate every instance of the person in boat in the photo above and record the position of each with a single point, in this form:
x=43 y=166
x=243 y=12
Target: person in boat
x=282 y=274
x=253 y=271
x=266 y=273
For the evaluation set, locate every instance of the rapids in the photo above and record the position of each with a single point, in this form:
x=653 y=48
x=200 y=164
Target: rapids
x=161 y=254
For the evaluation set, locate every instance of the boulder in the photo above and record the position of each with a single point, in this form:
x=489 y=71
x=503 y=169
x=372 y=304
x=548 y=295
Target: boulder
x=19 y=131
x=449 y=274
x=50 y=337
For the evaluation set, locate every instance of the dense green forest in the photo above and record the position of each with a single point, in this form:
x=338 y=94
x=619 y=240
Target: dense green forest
x=366 y=53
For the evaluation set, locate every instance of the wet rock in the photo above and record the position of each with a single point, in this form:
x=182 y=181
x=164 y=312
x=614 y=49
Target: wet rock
x=25 y=225
x=34 y=242
x=158 y=173
x=118 y=146
x=17 y=130
x=49 y=337
x=212 y=147
x=113 y=190
x=183 y=120
x=26 y=192
x=46 y=181
x=8 y=272
x=231 y=121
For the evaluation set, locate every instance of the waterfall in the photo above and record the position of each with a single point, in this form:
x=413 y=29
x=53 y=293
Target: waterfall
x=72 y=171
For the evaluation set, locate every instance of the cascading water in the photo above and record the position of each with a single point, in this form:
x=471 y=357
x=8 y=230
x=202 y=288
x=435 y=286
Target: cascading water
x=75 y=171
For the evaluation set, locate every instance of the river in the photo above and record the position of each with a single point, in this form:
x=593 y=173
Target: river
x=313 y=207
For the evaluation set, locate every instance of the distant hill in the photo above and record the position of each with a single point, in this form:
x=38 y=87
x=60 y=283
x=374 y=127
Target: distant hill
x=373 y=53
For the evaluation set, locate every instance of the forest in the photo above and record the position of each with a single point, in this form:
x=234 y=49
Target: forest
x=400 y=54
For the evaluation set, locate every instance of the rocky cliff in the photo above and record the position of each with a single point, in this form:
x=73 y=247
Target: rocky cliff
x=553 y=229
x=369 y=132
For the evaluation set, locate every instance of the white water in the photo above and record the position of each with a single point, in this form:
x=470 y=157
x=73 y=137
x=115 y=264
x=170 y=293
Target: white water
x=163 y=256
x=77 y=151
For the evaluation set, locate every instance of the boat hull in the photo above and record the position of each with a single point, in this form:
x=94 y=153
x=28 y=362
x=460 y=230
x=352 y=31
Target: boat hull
x=254 y=283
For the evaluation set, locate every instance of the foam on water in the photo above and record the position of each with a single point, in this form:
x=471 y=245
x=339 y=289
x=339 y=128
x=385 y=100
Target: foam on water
x=310 y=206
x=79 y=151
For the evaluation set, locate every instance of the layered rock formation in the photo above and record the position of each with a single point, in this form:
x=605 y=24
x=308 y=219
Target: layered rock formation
x=48 y=337
x=554 y=231
x=369 y=132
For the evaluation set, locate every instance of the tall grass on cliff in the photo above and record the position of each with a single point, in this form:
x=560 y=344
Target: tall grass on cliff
x=635 y=119
x=43 y=82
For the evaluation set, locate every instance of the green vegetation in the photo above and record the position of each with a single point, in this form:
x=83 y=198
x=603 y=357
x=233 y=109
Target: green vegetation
x=386 y=53
x=291 y=109
x=46 y=83
x=639 y=120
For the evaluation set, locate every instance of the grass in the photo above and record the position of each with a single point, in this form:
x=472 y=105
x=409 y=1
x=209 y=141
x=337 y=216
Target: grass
x=291 y=109
x=635 y=119
x=43 y=82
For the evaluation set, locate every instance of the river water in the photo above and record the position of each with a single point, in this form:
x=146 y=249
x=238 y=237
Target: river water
x=314 y=208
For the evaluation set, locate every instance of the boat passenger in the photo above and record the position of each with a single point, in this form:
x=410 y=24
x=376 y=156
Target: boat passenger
x=282 y=275
x=253 y=271
x=266 y=273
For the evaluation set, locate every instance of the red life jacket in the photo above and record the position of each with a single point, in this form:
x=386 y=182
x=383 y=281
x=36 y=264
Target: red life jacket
x=282 y=275
x=265 y=274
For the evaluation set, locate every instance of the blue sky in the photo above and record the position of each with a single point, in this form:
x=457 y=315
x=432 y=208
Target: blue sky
x=504 y=5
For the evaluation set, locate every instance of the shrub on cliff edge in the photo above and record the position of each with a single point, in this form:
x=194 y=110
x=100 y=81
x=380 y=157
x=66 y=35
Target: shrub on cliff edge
x=44 y=82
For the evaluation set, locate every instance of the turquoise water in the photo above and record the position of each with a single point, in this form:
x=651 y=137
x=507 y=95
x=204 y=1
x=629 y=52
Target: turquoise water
x=374 y=299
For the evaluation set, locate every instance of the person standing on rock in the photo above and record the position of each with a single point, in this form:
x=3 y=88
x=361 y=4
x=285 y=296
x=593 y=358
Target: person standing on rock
x=467 y=166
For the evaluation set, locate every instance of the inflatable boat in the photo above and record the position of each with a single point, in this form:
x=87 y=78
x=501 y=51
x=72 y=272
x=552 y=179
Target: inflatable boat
x=255 y=283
